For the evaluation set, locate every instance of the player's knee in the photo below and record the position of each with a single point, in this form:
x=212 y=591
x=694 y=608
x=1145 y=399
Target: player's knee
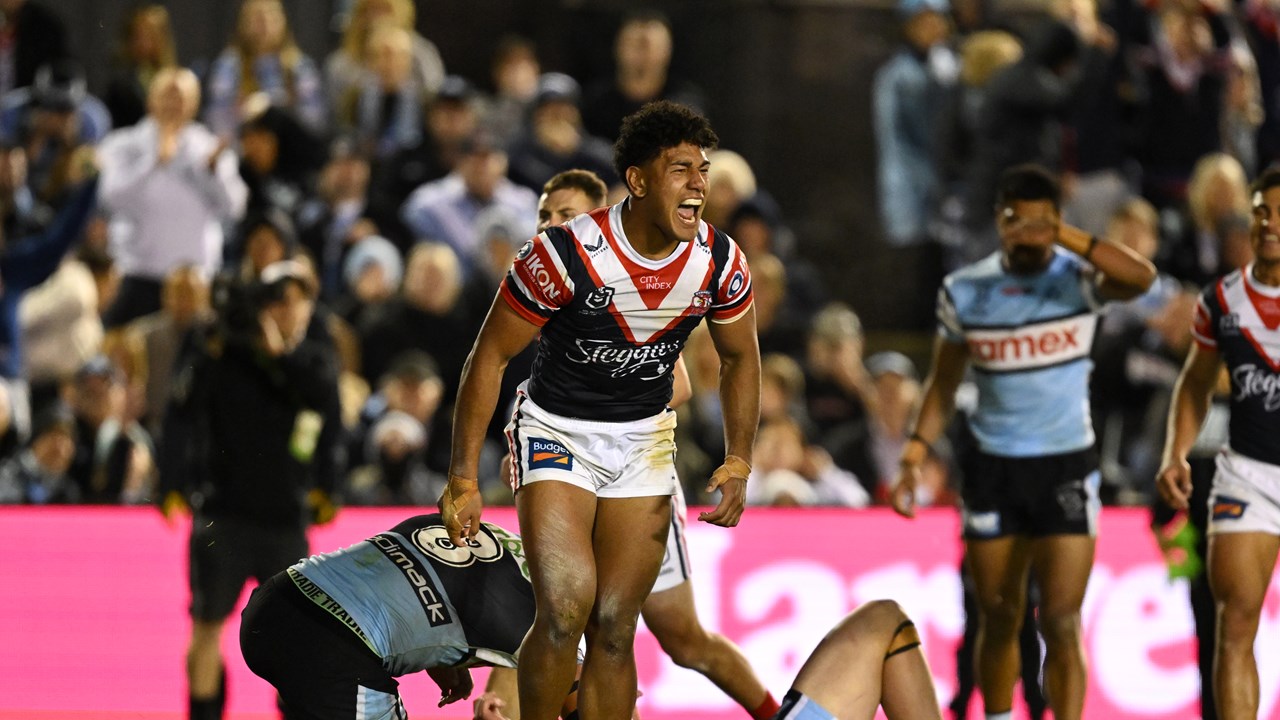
x=1060 y=629
x=1237 y=622
x=689 y=648
x=1001 y=614
x=614 y=629
x=884 y=614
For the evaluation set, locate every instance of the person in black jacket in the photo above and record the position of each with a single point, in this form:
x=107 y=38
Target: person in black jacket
x=252 y=443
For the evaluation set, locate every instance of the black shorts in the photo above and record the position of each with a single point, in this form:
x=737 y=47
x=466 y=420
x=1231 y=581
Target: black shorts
x=1031 y=496
x=321 y=669
x=224 y=554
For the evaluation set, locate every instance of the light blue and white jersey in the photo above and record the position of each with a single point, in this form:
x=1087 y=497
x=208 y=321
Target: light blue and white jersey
x=420 y=602
x=1029 y=338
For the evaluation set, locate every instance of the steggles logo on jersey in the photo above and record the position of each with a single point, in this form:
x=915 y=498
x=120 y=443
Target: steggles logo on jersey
x=1253 y=381
x=545 y=453
x=621 y=360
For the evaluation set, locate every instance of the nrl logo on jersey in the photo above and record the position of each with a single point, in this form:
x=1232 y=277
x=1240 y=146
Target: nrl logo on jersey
x=598 y=301
x=1230 y=324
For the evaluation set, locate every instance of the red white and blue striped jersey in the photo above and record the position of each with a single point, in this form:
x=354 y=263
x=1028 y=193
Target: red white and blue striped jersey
x=1240 y=319
x=614 y=322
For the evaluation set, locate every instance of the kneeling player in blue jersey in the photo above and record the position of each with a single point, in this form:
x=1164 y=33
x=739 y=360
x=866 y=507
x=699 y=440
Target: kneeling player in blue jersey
x=1024 y=318
x=333 y=632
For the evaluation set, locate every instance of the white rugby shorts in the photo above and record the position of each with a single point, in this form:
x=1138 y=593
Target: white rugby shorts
x=610 y=459
x=1245 y=496
x=675 y=563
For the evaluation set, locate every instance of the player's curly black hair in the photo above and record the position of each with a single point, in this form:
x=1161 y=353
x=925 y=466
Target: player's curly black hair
x=1266 y=180
x=1027 y=182
x=655 y=127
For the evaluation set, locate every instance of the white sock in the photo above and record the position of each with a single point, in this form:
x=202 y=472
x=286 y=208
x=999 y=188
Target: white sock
x=1007 y=715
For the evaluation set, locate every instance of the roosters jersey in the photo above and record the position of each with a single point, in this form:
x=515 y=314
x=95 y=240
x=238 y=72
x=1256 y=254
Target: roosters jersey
x=614 y=322
x=1029 y=339
x=1240 y=319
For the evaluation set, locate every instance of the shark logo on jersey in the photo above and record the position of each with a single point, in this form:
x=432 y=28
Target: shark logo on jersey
x=1071 y=498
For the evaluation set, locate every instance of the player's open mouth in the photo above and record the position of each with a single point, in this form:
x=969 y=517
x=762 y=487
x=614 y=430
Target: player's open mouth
x=688 y=210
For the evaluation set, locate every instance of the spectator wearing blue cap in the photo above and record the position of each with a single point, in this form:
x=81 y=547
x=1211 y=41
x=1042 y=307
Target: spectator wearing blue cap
x=343 y=213
x=451 y=118
x=554 y=139
x=53 y=120
x=37 y=475
x=909 y=93
x=113 y=458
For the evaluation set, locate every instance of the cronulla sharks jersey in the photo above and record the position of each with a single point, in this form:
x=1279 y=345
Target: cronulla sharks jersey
x=614 y=322
x=420 y=602
x=1028 y=339
x=1240 y=319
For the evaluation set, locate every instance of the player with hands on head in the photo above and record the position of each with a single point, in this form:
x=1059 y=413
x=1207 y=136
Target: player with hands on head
x=1236 y=325
x=614 y=294
x=1023 y=318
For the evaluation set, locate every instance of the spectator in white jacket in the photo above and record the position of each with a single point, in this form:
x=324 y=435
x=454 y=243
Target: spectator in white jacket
x=170 y=186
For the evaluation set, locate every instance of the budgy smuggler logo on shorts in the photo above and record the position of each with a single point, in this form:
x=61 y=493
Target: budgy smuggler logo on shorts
x=545 y=453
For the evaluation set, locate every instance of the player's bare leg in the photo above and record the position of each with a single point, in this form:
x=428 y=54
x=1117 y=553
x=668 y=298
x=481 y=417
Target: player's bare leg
x=999 y=568
x=673 y=620
x=872 y=657
x=204 y=663
x=556 y=521
x=630 y=538
x=1240 y=567
x=1062 y=564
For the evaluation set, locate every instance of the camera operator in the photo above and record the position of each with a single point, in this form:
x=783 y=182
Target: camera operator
x=252 y=442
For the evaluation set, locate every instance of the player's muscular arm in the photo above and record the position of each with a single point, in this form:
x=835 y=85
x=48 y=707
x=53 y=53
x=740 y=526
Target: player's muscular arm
x=936 y=408
x=1191 y=397
x=739 y=350
x=503 y=335
x=1125 y=273
x=681 y=386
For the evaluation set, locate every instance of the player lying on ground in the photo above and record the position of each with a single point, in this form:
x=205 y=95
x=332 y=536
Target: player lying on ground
x=333 y=632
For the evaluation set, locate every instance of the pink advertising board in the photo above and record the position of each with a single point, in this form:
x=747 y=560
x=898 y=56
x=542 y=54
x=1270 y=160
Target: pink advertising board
x=95 y=626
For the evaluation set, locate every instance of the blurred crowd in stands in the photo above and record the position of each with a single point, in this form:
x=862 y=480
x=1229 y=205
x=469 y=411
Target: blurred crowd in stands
x=403 y=192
